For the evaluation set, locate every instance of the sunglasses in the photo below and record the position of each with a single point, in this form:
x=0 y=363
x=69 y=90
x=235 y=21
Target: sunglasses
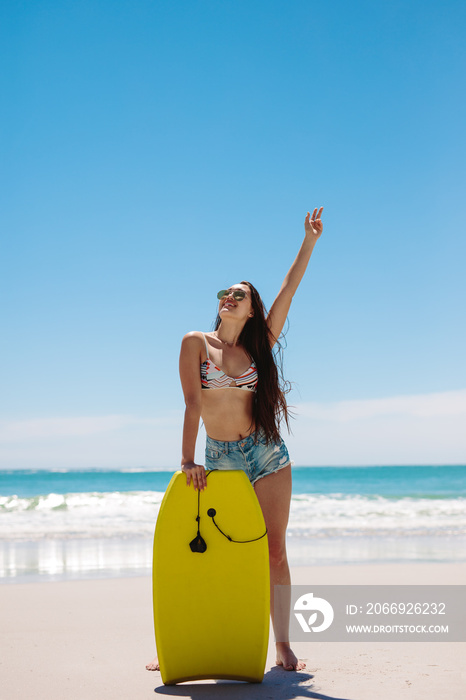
x=237 y=294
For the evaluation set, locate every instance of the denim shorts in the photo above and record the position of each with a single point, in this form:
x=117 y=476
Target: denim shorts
x=257 y=459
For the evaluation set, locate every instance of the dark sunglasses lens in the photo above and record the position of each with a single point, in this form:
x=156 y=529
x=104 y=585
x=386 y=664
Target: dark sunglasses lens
x=237 y=294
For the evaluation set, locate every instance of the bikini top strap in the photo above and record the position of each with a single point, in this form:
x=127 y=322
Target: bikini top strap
x=206 y=346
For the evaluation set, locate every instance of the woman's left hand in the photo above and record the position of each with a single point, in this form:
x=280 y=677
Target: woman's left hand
x=313 y=224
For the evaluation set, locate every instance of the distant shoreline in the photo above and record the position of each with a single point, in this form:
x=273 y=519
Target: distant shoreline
x=171 y=470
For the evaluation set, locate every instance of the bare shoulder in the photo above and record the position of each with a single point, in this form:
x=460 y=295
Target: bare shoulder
x=193 y=342
x=193 y=338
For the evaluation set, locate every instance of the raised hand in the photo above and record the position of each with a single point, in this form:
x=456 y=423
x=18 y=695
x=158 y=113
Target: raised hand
x=313 y=224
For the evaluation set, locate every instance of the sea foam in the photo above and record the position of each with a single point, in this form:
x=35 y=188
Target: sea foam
x=129 y=514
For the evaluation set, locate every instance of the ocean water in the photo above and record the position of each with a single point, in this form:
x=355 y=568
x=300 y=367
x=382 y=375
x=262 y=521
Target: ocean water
x=69 y=524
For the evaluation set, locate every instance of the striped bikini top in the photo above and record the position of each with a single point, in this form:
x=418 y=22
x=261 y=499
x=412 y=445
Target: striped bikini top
x=212 y=377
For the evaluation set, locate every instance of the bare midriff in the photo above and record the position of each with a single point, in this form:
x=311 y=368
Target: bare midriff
x=227 y=413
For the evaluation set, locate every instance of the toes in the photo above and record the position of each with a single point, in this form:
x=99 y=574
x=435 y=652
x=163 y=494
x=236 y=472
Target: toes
x=291 y=665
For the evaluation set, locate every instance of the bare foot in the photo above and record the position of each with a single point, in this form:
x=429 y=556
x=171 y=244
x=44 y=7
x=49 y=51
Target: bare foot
x=154 y=665
x=287 y=659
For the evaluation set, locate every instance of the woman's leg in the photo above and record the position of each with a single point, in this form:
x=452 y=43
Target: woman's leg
x=274 y=495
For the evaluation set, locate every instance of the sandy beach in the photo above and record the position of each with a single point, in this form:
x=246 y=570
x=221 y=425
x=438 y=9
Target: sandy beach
x=90 y=639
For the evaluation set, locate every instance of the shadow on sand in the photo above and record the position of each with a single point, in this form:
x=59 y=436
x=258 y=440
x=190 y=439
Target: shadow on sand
x=277 y=685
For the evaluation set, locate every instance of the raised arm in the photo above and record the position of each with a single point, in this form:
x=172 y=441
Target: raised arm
x=279 y=310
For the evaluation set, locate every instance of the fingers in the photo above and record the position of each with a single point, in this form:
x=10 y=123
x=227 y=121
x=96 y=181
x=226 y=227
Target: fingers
x=197 y=475
x=199 y=479
x=315 y=214
x=313 y=225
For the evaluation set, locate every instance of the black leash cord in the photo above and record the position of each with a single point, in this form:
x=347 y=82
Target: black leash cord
x=212 y=513
x=198 y=544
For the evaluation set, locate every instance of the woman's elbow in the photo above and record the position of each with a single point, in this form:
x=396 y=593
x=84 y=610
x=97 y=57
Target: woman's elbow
x=193 y=404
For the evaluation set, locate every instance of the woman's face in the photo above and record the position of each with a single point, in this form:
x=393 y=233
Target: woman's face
x=239 y=309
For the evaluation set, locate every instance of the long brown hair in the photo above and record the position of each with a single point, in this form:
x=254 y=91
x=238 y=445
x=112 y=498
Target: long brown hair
x=269 y=406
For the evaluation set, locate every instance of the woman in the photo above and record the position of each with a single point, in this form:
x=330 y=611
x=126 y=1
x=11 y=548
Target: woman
x=241 y=403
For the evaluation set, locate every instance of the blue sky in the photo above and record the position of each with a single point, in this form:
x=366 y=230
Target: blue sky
x=154 y=152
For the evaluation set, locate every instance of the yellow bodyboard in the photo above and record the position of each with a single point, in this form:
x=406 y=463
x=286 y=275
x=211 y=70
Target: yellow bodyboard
x=211 y=608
